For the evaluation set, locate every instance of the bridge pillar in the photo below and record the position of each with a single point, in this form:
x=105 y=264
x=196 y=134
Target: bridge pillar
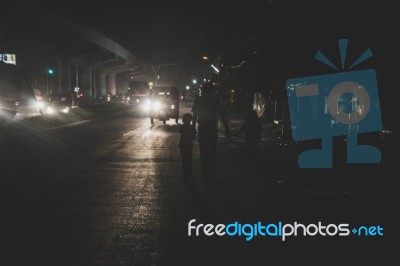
x=112 y=83
x=103 y=85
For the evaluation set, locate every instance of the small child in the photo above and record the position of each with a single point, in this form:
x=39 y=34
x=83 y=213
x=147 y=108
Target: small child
x=252 y=127
x=187 y=134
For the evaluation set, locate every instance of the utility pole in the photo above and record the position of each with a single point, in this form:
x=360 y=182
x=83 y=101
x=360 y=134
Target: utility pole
x=156 y=69
x=76 y=77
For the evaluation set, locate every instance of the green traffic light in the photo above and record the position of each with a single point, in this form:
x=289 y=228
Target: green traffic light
x=50 y=71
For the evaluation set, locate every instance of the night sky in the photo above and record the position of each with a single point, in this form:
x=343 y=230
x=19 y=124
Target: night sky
x=284 y=34
x=182 y=33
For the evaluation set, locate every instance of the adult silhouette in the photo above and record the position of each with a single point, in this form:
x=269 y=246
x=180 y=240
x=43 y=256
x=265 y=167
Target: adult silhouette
x=206 y=111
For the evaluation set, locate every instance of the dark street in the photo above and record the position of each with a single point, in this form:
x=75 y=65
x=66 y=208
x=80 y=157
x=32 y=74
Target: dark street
x=114 y=195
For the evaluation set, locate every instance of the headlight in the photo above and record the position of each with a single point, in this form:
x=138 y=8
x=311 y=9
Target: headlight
x=147 y=105
x=172 y=107
x=156 y=106
x=137 y=100
x=65 y=110
x=39 y=105
x=49 y=110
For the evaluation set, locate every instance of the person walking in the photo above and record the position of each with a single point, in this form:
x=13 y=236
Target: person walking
x=206 y=109
x=187 y=134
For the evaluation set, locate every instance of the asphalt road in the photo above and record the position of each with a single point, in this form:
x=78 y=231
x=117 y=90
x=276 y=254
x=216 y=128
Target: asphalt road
x=109 y=191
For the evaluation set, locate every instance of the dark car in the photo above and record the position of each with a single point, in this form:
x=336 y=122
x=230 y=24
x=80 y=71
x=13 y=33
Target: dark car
x=163 y=104
x=17 y=98
x=60 y=102
x=138 y=93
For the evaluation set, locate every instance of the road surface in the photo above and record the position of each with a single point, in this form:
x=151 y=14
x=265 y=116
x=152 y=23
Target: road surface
x=109 y=191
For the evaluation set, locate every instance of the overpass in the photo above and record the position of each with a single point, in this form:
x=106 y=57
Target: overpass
x=78 y=55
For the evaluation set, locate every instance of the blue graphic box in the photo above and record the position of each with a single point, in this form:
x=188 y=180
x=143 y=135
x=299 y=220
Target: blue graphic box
x=325 y=106
x=329 y=105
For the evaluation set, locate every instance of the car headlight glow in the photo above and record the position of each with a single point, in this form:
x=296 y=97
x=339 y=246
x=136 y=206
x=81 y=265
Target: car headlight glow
x=49 y=110
x=147 y=105
x=39 y=105
x=65 y=110
x=156 y=106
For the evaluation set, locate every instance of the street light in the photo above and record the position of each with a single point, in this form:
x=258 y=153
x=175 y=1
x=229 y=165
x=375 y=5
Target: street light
x=50 y=72
x=194 y=81
x=216 y=69
x=187 y=87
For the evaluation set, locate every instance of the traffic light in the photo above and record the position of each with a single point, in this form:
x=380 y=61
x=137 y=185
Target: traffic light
x=50 y=71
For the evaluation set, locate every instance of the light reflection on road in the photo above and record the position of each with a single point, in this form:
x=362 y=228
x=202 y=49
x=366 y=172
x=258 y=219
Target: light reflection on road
x=133 y=205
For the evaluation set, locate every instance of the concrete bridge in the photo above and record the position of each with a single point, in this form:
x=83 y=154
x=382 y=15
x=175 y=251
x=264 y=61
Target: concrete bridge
x=71 y=56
